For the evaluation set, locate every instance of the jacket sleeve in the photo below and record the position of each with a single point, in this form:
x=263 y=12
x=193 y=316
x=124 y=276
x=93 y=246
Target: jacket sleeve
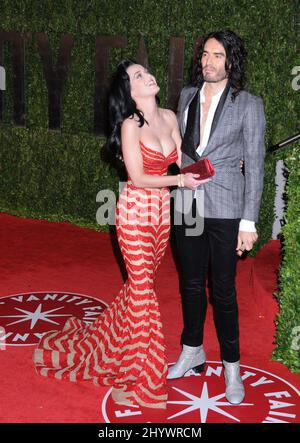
x=254 y=124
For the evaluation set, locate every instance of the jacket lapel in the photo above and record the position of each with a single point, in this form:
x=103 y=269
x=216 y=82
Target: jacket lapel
x=191 y=130
x=186 y=106
x=191 y=137
x=220 y=107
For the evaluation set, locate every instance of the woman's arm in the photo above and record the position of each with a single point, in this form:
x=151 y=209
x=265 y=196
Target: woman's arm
x=130 y=136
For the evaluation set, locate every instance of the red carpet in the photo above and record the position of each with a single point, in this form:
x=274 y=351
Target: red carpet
x=58 y=269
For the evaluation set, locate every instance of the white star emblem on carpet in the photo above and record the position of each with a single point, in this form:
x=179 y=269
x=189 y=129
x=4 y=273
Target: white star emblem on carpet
x=204 y=403
x=35 y=316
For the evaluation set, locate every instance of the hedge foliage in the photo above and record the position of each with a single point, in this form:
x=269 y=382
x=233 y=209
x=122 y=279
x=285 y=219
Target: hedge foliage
x=288 y=320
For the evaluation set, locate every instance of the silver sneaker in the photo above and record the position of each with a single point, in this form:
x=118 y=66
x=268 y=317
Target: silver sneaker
x=235 y=391
x=191 y=357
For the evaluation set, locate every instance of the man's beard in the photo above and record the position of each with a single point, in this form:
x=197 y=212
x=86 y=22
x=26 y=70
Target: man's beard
x=215 y=79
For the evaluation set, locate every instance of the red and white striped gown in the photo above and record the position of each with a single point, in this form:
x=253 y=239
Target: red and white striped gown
x=124 y=347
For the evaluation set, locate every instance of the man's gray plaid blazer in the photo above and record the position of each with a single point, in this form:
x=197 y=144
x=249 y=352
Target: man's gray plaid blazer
x=237 y=133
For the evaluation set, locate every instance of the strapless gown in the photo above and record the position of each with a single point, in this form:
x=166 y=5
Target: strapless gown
x=124 y=347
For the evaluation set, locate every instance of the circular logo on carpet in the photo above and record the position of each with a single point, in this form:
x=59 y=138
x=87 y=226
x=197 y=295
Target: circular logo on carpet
x=26 y=317
x=201 y=399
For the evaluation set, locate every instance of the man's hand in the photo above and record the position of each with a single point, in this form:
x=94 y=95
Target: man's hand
x=246 y=241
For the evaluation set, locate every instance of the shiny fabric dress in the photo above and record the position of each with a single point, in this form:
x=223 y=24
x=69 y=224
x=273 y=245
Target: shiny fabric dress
x=124 y=347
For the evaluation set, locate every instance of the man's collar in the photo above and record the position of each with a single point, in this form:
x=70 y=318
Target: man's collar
x=214 y=97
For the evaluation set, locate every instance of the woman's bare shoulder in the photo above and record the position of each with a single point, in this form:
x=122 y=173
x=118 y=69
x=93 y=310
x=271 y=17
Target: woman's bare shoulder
x=169 y=115
x=131 y=125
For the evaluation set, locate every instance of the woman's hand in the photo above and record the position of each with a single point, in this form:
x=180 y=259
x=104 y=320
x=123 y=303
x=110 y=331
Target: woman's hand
x=192 y=181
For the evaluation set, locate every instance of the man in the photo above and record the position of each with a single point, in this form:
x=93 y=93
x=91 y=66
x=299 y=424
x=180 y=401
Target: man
x=219 y=120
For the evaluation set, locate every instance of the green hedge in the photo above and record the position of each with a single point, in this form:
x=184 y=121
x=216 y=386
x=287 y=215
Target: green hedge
x=50 y=175
x=288 y=321
x=71 y=157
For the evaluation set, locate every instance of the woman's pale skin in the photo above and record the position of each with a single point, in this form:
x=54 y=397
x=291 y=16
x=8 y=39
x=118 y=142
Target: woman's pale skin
x=162 y=134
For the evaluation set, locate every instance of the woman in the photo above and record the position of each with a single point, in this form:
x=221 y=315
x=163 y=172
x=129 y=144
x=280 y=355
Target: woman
x=124 y=347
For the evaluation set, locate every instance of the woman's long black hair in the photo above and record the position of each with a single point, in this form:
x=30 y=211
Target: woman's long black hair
x=236 y=56
x=121 y=106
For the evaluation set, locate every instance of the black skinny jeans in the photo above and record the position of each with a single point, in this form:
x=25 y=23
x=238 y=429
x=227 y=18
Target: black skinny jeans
x=217 y=243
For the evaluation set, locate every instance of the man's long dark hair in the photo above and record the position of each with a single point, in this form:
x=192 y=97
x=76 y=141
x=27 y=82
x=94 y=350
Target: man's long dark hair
x=121 y=106
x=235 y=64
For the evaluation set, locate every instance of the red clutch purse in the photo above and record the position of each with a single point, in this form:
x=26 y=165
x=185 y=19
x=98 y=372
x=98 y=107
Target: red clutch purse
x=202 y=167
